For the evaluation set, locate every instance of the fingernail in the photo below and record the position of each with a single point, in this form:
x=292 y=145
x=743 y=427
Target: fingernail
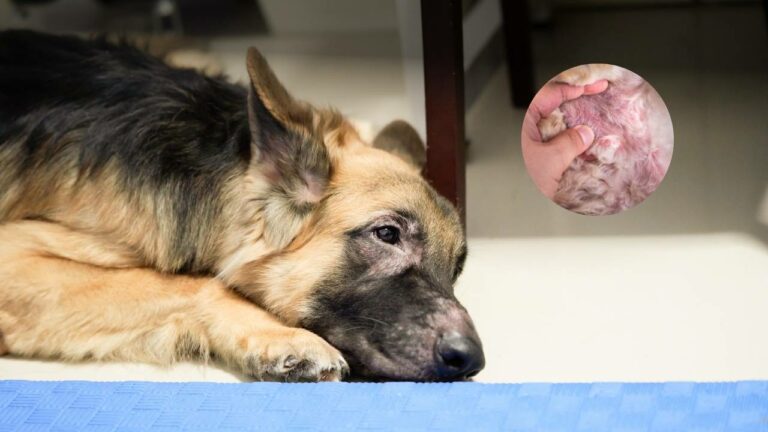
x=596 y=87
x=586 y=134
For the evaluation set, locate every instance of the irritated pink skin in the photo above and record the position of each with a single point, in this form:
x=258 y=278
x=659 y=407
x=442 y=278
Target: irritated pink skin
x=631 y=152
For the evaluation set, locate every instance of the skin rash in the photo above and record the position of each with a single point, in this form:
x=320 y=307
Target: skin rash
x=632 y=149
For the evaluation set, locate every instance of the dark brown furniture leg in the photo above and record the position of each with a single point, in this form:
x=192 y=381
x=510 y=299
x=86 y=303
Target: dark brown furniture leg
x=441 y=23
x=765 y=10
x=517 y=36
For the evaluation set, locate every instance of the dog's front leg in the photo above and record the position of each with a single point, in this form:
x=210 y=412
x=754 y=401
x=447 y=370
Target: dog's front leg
x=52 y=307
x=251 y=339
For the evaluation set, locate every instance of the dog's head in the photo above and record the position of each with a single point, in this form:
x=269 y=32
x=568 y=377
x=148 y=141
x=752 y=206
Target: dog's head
x=360 y=249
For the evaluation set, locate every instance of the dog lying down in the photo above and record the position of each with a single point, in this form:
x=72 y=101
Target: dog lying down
x=151 y=214
x=633 y=141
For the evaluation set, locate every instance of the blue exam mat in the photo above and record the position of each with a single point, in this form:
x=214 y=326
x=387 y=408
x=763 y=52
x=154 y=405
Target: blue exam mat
x=615 y=407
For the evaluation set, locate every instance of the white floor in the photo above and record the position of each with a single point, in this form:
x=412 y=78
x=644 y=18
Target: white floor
x=675 y=289
x=684 y=307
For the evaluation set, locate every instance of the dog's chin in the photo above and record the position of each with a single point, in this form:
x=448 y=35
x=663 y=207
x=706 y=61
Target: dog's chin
x=369 y=363
x=384 y=372
x=378 y=367
x=376 y=378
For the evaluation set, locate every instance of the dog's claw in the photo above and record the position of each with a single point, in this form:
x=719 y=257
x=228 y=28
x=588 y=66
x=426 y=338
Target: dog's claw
x=290 y=362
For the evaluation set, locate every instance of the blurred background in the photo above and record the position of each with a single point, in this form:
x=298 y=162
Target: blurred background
x=676 y=288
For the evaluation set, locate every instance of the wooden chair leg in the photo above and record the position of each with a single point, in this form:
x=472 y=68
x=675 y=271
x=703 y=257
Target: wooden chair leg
x=517 y=35
x=765 y=10
x=444 y=93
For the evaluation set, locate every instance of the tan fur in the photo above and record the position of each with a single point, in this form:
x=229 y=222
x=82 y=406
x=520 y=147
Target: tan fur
x=552 y=125
x=52 y=240
x=277 y=100
x=57 y=308
x=99 y=208
x=401 y=139
x=196 y=59
x=589 y=73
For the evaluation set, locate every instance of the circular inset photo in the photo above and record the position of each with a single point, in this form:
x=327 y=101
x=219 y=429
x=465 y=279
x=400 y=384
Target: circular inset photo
x=597 y=139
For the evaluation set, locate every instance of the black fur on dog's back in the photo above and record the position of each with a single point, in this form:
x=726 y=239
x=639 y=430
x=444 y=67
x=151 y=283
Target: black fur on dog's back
x=151 y=117
x=69 y=103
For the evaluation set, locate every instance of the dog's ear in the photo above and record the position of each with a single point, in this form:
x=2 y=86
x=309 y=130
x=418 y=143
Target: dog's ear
x=402 y=140
x=286 y=152
x=281 y=132
x=273 y=97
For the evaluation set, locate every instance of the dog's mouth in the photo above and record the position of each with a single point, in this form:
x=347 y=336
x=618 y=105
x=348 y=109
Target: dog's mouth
x=368 y=363
x=432 y=357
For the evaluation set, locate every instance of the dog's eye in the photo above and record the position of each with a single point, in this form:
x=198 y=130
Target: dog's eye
x=388 y=234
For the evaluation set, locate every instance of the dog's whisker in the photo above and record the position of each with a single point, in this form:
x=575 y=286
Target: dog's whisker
x=376 y=320
x=348 y=329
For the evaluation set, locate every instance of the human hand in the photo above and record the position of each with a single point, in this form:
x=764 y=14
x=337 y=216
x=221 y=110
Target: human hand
x=547 y=160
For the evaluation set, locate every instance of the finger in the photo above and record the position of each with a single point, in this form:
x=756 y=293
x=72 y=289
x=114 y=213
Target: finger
x=530 y=127
x=552 y=96
x=571 y=143
x=596 y=87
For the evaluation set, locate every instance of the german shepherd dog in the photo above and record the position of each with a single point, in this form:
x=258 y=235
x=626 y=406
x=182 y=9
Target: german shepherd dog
x=151 y=214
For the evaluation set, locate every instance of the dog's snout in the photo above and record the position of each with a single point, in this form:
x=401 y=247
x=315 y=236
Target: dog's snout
x=459 y=356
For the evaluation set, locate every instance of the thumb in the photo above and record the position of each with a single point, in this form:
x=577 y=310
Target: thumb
x=572 y=142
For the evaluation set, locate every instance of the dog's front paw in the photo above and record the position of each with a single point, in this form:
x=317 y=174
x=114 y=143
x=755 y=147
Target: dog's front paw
x=290 y=354
x=552 y=125
x=588 y=74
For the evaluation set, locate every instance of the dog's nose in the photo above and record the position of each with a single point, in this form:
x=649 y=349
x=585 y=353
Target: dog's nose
x=458 y=356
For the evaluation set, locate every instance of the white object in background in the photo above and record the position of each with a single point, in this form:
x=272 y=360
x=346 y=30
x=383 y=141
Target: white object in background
x=365 y=129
